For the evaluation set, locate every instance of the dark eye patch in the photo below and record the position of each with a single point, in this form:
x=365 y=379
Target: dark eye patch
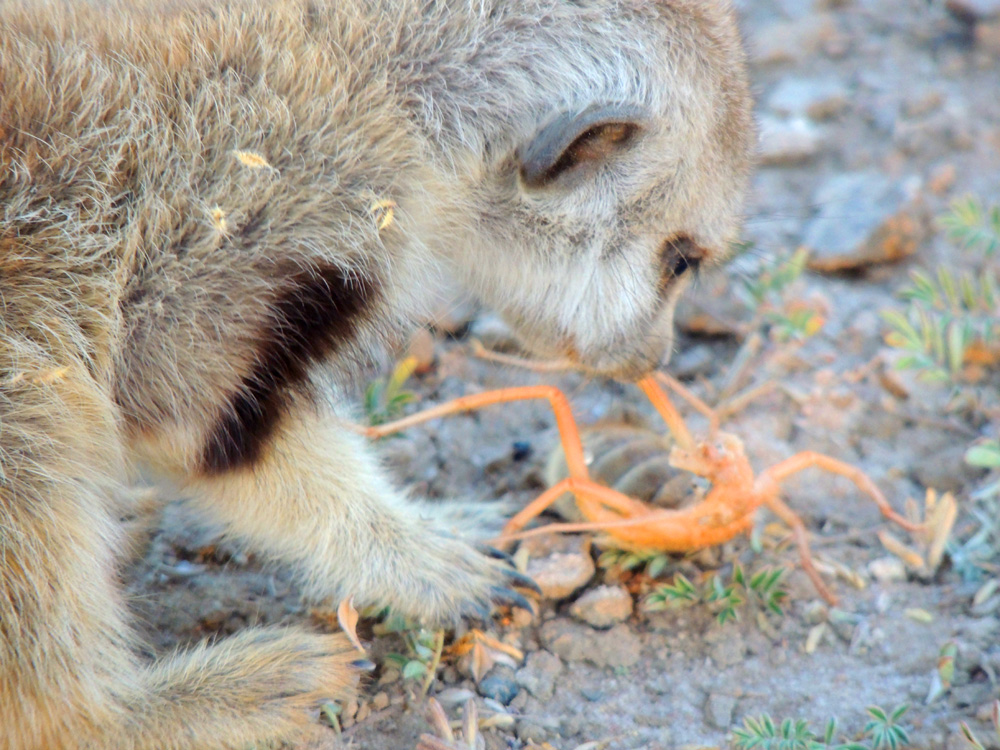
x=677 y=255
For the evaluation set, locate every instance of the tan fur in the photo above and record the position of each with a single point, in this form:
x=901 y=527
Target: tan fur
x=196 y=260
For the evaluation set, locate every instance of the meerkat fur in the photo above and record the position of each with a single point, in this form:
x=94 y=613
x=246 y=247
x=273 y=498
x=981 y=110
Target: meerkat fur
x=216 y=216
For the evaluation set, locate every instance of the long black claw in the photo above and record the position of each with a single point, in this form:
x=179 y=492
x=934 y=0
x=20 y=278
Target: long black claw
x=363 y=664
x=482 y=611
x=510 y=597
x=524 y=581
x=496 y=554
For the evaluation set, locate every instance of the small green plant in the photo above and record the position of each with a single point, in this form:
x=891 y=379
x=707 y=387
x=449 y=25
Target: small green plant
x=653 y=561
x=763 y=590
x=764 y=734
x=884 y=728
x=883 y=732
x=767 y=297
x=681 y=591
x=727 y=598
x=972 y=739
x=385 y=398
x=423 y=649
x=952 y=318
x=949 y=334
x=973 y=226
x=986 y=455
x=949 y=317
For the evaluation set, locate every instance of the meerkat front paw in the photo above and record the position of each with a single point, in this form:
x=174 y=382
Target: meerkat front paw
x=458 y=578
x=440 y=577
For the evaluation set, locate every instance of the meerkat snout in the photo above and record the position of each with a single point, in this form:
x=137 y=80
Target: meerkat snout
x=608 y=179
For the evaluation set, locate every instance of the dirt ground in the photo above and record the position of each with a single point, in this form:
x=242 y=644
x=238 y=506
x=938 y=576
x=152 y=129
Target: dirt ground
x=870 y=110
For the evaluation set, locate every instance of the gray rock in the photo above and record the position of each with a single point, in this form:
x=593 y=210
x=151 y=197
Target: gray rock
x=499 y=685
x=726 y=646
x=719 y=710
x=493 y=332
x=944 y=469
x=788 y=41
x=536 y=729
x=603 y=606
x=561 y=574
x=618 y=647
x=539 y=673
x=971 y=11
x=785 y=142
x=864 y=218
x=817 y=98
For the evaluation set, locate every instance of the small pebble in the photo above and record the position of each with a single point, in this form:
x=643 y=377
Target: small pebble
x=818 y=99
x=521 y=450
x=539 y=673
x=618 y=647
x=421 y=348
x=603 y=606
x=535 y=730
x=561 y=574
x=972 y=11
x=887 y=569
x=389 y=676
x=499 y=685
x=719 y=710
x=787 y=142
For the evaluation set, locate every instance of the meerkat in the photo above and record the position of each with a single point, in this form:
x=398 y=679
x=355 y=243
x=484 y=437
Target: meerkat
x=217 y=216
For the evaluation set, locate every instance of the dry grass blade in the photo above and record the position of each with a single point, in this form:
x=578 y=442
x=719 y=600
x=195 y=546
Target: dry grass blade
x=252 y=159
x=481 y=651
x=445 y=738
x=219 y=221
x=384 y=211
x=430 y=742
x=347 y=617
x=470 y=724
x=941 y=515
x=439 y=720
x=905 y=553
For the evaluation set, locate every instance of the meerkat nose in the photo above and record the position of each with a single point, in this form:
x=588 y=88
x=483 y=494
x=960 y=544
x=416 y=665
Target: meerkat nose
x=677 y=255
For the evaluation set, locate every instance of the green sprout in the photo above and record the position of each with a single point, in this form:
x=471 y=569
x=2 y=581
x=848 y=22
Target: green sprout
x=884 y=729
x=972 y=739
x=973 y=226
x=767 y=296
x=655 y=562
x=385 y=398
x=762 y=590
x=883 y=732
x=423 y=649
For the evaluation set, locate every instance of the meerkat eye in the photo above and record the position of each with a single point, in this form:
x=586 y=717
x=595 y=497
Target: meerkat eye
x=576 y=144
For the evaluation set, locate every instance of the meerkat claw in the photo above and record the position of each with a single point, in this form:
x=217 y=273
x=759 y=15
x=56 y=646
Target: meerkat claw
x=480 y=611
x=511 y=598
x=524 y=581
x=496 y=554
x=363 y=665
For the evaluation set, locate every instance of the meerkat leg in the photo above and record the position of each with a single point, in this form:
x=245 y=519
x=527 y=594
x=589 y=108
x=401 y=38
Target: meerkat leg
x=69 y=674
x=317 y=499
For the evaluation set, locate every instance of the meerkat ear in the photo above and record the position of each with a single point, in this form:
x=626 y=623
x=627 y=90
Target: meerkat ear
x=577 y=143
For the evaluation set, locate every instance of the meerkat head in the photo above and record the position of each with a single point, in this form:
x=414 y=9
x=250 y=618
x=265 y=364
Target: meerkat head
x=606 y=151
